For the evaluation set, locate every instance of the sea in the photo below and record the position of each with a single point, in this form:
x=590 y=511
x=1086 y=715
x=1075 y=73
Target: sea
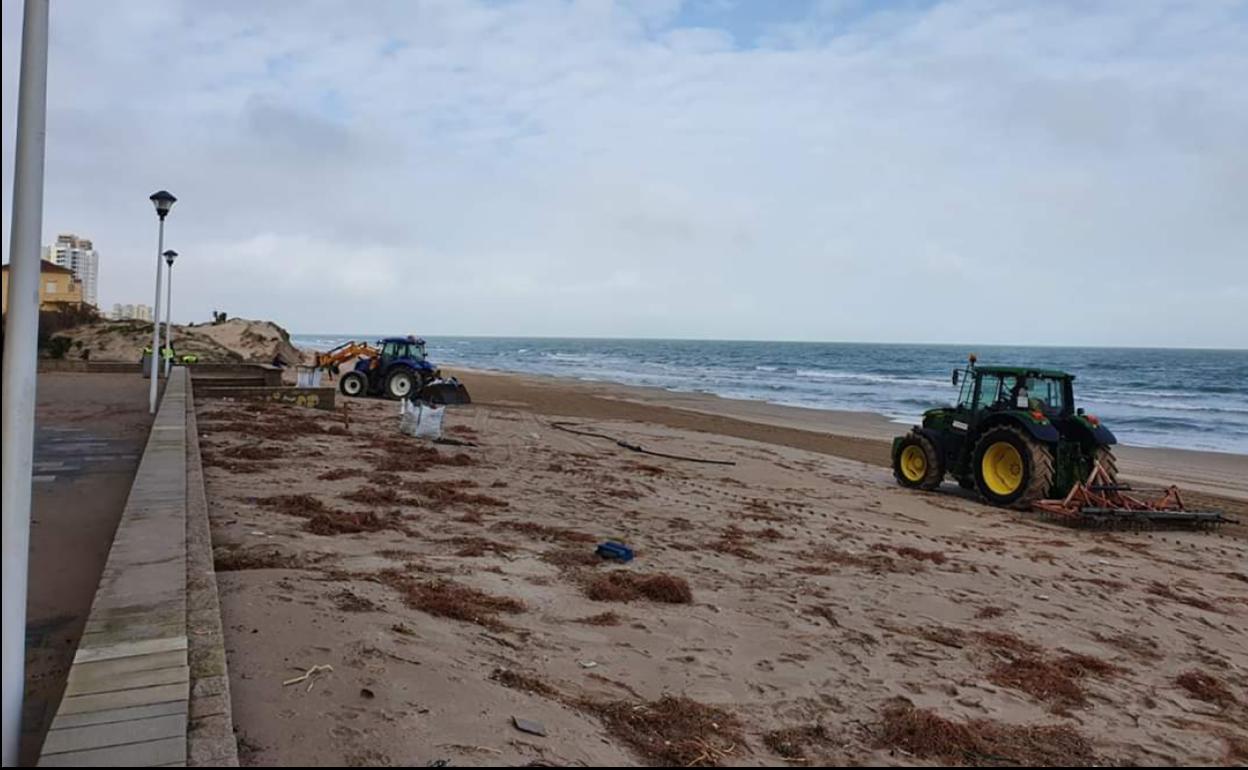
x=1180 y=398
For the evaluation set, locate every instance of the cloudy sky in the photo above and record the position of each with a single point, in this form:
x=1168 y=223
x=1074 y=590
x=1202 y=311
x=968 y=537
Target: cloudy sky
x=962 y=171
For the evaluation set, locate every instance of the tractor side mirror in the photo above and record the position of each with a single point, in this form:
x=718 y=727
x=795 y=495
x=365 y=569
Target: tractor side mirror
x=1079 y=411
x=956 y=376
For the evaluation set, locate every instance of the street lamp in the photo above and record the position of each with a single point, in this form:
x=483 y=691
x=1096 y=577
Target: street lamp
x=169 y=255
x=21 y=332
x=163 y=201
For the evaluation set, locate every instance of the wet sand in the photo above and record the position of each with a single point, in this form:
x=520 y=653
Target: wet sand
x=795 y=607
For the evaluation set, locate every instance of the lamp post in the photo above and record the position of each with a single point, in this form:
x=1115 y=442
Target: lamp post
x=169 y=255
x=20 y=355
x=163 y=201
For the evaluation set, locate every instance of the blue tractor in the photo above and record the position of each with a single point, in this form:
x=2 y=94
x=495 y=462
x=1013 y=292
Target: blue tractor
x=396 y=368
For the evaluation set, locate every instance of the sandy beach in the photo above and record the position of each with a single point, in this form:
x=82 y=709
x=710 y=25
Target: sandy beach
x=389 y=602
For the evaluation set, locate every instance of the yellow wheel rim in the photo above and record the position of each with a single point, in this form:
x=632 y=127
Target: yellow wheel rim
x=913 y=463
x=1002 y=468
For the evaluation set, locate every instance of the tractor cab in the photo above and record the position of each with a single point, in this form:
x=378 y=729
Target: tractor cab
x=1044 y=394
x=394 y=349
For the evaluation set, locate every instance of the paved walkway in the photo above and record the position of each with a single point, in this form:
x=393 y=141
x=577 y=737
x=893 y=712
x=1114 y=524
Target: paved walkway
x=90 y=430
x=126 y=698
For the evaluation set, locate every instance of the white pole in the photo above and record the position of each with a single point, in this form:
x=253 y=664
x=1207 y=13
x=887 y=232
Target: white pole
x=160 y=265
x=168 y=315
x=21 y=352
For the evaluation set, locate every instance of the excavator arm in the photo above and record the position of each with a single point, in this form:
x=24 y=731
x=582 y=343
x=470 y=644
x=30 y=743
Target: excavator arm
x=345 y=352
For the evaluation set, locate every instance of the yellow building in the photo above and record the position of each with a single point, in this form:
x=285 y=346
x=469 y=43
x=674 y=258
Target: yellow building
x=57 y=287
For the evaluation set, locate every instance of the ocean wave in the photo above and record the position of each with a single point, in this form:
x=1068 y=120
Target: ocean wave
x=1167 y=407
x=1197 y=392
x=865 y=377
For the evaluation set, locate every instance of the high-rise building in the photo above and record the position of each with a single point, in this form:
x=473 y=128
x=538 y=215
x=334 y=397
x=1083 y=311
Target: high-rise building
x=79 y=255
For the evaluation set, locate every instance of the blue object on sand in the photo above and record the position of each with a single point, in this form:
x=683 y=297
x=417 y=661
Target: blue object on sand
x=614 y=550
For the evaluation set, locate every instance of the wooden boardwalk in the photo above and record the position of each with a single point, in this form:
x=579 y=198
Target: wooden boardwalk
x=126 y=700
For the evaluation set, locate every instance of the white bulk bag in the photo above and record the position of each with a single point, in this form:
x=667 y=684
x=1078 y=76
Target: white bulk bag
x=420 y=420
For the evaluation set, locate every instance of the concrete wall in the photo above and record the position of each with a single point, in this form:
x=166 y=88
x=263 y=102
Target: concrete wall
x=271 y=375
x=240 y=374
x=78 y=365
x=317 y=398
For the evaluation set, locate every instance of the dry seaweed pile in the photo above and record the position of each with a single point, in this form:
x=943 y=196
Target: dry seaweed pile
x=924 y=734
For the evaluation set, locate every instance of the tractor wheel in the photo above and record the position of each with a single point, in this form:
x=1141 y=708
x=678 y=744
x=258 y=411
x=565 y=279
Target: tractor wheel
x=917 y=464
x=1105 y=456
x=1011 y=468
x=353 y=384
x=400 y=384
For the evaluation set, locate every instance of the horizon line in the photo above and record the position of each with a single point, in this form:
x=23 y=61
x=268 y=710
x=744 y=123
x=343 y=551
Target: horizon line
x=796 y=341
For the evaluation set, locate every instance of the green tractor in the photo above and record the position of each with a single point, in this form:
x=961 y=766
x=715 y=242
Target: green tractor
x=1015 y=436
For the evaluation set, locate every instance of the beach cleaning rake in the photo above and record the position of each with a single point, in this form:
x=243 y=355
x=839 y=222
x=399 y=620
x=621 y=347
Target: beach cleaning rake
x=1102 y=499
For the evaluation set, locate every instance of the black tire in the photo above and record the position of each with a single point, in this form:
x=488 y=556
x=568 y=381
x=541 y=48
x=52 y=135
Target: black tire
x=1031 y=469
x=400 y=384
x=917 y=464
x=353 y=384
x=1105 y=456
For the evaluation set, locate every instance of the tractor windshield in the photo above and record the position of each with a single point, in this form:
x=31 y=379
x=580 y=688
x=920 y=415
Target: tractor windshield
x=996 y=391
x=1046 y=394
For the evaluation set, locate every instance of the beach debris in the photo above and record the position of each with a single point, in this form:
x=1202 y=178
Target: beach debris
x=309 y=676
x=589 y=664
x=453 y=441
x=469 y=748
x=367 y=693
x=673 y=731
x=571 y=427
x=529 y=726
x=613 y=550
x=402 y=659
x=793 y=744
x=601 y=619
x=500 y=640
x=922 y=733
x=624 y=586
x=1206 y=687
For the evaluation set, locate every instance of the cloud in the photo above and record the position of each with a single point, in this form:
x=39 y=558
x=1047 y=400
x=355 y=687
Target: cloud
x=968 y=170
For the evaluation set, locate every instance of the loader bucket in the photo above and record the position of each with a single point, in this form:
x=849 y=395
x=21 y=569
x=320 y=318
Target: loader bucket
x=445 y=392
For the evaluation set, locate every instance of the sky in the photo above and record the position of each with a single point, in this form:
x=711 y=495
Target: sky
x=1069 y=172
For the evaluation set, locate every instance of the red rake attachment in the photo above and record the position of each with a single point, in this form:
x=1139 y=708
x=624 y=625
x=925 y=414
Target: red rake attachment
x=1101 y=499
